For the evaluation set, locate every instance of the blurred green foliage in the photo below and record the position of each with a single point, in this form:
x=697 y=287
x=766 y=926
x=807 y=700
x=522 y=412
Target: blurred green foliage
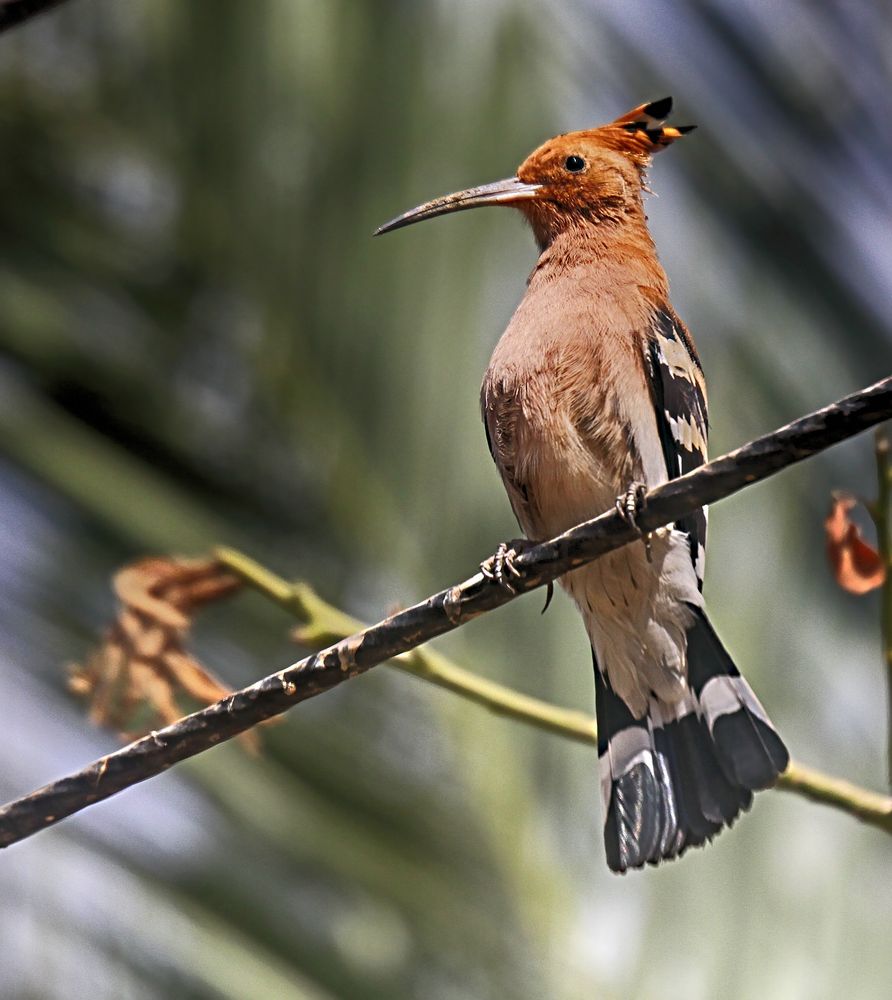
x=200 y=343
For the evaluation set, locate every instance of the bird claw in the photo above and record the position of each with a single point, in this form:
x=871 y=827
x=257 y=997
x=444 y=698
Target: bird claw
x=629 y=506
x=501 y=563
x=549 y=593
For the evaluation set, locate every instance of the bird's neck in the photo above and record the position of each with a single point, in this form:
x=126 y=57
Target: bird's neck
x=623 y=247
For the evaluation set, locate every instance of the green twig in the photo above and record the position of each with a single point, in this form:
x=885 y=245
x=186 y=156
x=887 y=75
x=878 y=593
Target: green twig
x=322 y=624
x=870 y=807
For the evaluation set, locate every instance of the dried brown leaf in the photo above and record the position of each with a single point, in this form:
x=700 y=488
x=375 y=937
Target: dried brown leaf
x=194 y=678
x=856 y=565
x=142 y=677
x=136 y=586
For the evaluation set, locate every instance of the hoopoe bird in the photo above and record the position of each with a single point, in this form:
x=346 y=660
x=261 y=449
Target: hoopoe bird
x=595 y=391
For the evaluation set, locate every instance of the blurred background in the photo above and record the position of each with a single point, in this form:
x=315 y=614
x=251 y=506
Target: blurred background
x=200 y=343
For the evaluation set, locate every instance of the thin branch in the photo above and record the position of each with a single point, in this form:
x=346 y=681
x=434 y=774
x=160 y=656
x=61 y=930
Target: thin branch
x=322 y=623
x=440 y=613
x=882 y=516
x=16 y=12
x=870 y=807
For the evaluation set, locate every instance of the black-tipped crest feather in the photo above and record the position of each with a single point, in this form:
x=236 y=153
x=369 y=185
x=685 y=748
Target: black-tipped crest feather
x=658 y=109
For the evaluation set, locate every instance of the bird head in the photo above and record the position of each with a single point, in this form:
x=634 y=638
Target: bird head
x=595 y=175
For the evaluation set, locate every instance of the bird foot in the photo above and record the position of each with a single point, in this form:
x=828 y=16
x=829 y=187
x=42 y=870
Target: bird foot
x=500 y=566
x=503 y=558
x=629 y=506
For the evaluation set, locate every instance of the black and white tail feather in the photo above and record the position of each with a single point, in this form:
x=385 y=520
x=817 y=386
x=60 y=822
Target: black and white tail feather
x=674 y=777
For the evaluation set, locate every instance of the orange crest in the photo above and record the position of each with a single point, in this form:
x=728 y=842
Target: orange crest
x=642 y=131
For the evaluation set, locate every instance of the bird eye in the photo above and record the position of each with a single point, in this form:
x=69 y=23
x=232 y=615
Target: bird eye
x=574 y=164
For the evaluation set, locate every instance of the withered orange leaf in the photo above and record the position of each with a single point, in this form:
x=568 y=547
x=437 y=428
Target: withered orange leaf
x=142 y=676
x=856 y=565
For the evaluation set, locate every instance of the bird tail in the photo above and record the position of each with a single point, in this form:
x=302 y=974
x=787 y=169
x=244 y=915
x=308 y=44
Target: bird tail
x=675 y=777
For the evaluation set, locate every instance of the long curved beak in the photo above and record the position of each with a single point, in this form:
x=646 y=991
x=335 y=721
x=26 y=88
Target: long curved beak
x=506 y=192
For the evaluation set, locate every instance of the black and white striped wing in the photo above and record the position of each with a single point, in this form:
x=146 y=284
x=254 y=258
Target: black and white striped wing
x=678 y=390
x=673 y=777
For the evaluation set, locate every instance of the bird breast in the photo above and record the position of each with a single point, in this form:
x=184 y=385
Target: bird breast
x=564 y=399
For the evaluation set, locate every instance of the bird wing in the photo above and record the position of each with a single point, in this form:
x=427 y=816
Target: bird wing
x=678 y=392
x=500 y=415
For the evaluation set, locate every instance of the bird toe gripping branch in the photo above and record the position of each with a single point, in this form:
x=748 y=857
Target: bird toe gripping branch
x=629 y=506
x=501 y=565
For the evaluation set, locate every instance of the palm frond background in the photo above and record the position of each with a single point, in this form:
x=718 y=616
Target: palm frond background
x=200 y=343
